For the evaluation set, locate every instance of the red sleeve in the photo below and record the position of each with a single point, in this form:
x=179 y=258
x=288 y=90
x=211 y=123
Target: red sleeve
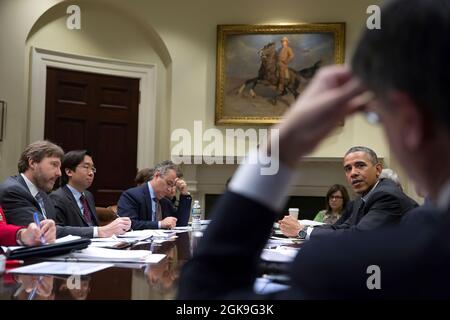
x=7 y=232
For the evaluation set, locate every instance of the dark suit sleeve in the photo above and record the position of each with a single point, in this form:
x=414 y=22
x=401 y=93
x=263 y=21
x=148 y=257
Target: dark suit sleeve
x=226 y=259
x=337 y=268
x=63 y=227
x=60 y=210
x=384 y=209
x=17 y=207
x=184 y=210
x=128 y=206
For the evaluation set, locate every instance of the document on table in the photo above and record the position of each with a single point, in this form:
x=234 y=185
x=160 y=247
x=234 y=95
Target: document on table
x=279 y=240
x=61 y=268
x=111 y=255
x=311 y=223
x=279 y=254
x=149 y=233
x=265 y=286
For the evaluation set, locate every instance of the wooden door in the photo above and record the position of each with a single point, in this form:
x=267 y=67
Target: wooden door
x=99 y=113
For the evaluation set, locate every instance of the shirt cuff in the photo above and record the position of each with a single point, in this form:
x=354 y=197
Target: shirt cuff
x=95 y=233
x=308 y=232
x=251 y=181
x=159 y=224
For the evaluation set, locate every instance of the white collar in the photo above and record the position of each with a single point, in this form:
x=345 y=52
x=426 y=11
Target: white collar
x=152 y=192
x=33 y=189
x=367 y=196
x=76 y=194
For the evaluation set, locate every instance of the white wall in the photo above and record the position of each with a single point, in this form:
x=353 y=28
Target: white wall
x=179 y=37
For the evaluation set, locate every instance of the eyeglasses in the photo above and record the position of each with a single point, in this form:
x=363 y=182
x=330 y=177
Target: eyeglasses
x=170 y=184
x=336 y=197
x=88 y=168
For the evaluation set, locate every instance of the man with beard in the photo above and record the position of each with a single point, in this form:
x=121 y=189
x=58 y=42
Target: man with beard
x=26 y=193
x=75 y=205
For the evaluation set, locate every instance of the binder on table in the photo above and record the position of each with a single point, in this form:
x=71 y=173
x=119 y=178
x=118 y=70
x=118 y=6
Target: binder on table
x=48 y=250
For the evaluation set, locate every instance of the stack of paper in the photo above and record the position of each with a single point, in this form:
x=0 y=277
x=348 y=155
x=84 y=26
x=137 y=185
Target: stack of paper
x=112 y=255
x=311 y=223
x=61 y=268
x=149 y=233
x=279 y=254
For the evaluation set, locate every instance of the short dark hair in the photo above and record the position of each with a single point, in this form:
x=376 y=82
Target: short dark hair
x=345 y=197
x=415 y=61
x=143 y=176
x=70 y=161
x=372 y=155
x=37 y=151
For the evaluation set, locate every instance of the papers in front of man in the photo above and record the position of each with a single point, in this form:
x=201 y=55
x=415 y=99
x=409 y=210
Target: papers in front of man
x=265 y=285
x=61 y=268
x=149 y=233
x=111 y=255
x=279 y=254
x=310 y=223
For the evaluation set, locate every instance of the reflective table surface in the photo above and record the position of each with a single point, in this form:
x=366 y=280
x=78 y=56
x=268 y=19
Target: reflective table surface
x=123 y=281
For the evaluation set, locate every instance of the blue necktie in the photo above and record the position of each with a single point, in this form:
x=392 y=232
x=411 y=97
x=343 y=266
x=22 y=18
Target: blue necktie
x=40 y=200
x=157 y=213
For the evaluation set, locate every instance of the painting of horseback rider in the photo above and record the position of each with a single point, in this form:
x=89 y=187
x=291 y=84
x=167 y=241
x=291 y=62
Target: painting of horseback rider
x=260 y=73
x=275 y=72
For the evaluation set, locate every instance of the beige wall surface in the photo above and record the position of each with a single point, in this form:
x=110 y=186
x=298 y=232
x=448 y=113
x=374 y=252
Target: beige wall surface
x=177 y=36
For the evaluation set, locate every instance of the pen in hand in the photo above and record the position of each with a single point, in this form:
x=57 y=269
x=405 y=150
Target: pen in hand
x=38 y=223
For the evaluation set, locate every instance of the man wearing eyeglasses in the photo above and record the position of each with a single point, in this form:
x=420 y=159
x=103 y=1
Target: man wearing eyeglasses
x=380 y=201
x=75 y=205
x=142 y=204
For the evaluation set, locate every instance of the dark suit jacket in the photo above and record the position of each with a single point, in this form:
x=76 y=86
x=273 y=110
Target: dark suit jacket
x=384 y=206
x=67 y=211
x=414 y=259
x=19 y=207
x=136 y=204
x=182 y=212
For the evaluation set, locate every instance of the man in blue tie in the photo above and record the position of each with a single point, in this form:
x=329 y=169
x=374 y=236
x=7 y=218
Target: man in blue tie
x=75 y=205
x=142 y=204
x=26 y=193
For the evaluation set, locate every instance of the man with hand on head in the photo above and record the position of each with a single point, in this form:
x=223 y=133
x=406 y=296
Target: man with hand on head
x=411 y=99
x=142 y=204
x=179 y=208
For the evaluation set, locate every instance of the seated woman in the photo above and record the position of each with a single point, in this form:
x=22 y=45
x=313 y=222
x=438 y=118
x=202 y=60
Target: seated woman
x=337 y=199
x=11 y=235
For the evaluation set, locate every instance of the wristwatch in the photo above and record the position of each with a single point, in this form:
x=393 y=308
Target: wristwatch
x=303 y=233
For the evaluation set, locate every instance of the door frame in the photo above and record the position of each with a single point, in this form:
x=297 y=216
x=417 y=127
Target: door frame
x=146 y=73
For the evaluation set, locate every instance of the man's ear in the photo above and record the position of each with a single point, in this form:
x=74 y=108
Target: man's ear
x=411 y=121
x=69 y=172
x=379 y=168
x=32 y=164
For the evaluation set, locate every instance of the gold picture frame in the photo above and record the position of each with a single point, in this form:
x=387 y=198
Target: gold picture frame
x=2 y=118
x=250 y=60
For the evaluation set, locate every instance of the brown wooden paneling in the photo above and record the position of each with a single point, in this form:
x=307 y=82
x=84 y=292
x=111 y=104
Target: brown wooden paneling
x=99 y=113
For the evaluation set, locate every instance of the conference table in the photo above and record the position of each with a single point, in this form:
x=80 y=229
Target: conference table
x=122 y=282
